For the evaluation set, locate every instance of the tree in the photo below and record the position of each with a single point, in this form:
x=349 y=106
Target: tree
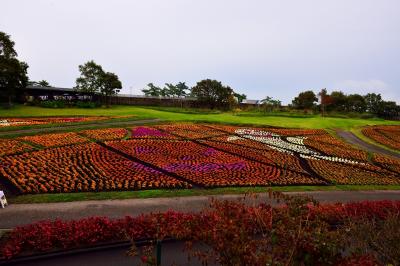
x=305 y=100
x=41 y=83
x=374 y=103
x=90 y=79
x=111 y=85
x=152 y=90
x=213 y=93
x=240 y=97
x=13 y=73
x=339 y=101
x=181 y=89
x=356 y=103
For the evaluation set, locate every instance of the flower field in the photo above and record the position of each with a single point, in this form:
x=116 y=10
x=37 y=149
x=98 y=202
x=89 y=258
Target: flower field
x=386 y=135
x=185 y=156
x=105 y=134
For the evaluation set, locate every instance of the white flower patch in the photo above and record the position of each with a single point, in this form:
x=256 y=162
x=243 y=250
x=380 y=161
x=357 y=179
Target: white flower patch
x=290 y=145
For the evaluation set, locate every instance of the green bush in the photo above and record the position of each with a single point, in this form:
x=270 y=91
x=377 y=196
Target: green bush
x=53 y=104
x=81 y=104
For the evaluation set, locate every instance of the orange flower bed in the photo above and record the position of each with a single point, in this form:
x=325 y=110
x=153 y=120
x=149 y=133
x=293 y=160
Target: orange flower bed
x=106 y=134
x=84 y=167
x=333 y=146
x=57 y=139
x=12 y=146
x=386 y=135
x=353 y=174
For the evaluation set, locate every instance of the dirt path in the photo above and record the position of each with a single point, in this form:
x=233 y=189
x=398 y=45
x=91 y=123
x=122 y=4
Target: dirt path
x=353 y=139
x=19 y=214
x=72 y=126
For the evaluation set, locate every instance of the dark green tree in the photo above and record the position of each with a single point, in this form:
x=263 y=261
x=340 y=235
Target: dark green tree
x=356 y=103
x=41 y=83
x=339 y=101
x=305 y=100
x=181 y=89
x=240 y=97
x=213 y=94
x=13 y=73
x=152 y=90
x=111 y=85
x=90 y=79
x=374 y=103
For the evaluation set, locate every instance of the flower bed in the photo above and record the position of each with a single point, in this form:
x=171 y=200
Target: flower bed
x=353 y=175
x=84 y=167
x=191 y=131
x=386 y=135
x=10 y=122
x=57 y=139
x=232 y=229
x=106 y=134
x=12 y=146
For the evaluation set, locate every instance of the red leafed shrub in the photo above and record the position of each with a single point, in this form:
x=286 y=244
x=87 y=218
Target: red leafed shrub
x=238 y=232
x=335 y=213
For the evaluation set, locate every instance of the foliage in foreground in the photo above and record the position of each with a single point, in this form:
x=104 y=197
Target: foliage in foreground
x=242 y=232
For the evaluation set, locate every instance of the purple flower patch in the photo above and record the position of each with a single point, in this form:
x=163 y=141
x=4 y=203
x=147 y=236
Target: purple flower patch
x=205 y=167
x=210 y=151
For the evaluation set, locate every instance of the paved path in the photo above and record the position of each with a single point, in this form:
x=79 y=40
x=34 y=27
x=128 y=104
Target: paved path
x=75 y=126
x=19 y=214
x=353 y=139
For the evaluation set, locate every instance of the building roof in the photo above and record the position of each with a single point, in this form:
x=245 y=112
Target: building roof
x=246 y=101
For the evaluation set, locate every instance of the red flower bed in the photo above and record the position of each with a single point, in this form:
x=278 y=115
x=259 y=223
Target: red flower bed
x=58 y=139
x=106 y=134
x=218 y=227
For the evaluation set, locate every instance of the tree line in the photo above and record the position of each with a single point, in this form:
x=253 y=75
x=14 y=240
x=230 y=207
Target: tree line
x=338 y=101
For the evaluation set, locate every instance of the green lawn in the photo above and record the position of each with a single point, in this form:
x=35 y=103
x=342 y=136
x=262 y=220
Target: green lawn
x=177 y=114
x=158 y=193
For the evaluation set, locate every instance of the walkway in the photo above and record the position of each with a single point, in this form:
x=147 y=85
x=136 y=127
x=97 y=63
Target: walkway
x=19 y=214
x=353 y=139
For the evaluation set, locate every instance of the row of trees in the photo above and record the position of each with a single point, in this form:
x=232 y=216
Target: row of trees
x=337 y=101
x=209 y=92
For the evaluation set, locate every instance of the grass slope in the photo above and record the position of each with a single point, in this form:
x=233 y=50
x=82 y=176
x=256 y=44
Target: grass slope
x=177 y=114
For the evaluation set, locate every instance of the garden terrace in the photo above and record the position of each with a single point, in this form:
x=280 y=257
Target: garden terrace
x=185 y=155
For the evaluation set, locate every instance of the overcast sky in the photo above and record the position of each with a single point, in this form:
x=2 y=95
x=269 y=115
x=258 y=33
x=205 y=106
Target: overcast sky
x=260 y=48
